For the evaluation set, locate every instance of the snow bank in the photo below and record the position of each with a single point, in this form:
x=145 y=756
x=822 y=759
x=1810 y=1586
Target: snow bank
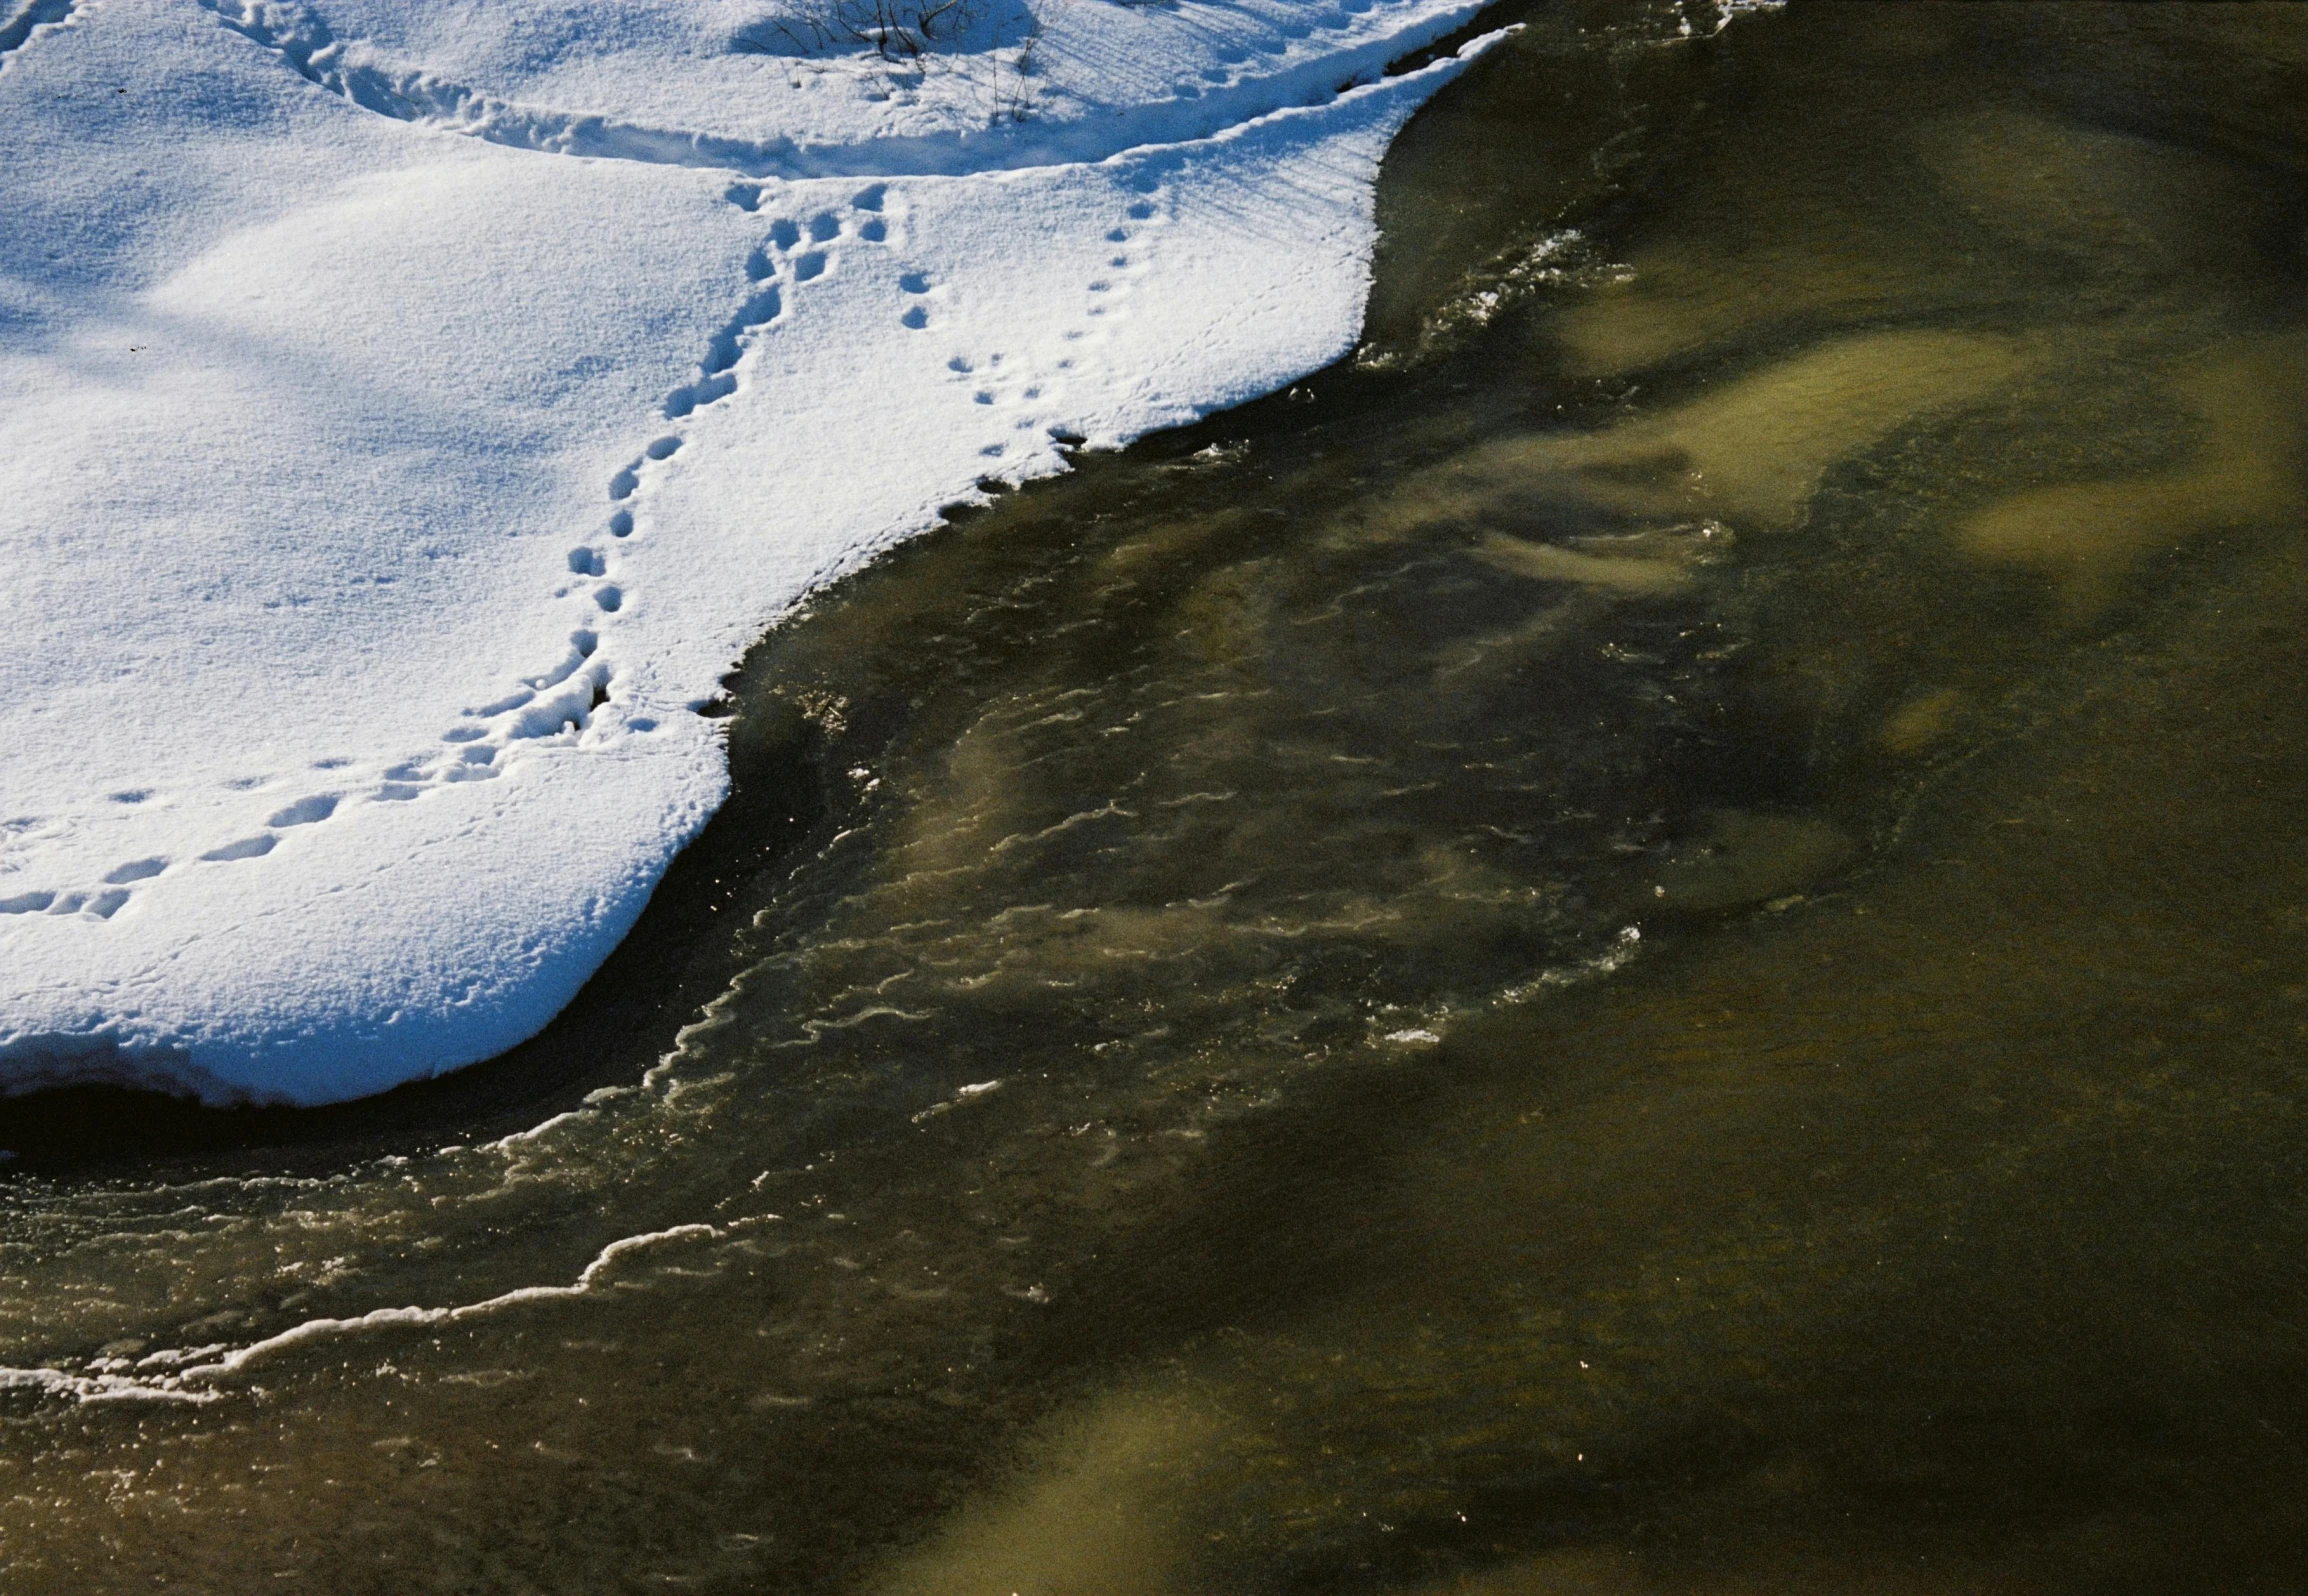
x=409 y=412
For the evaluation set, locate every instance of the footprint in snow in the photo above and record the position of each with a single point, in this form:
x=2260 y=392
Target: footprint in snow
x=916 y=317
x=305 y=811
x=255 y=847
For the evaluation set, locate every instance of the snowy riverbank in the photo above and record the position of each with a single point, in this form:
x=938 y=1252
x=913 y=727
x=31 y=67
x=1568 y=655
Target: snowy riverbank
x=409 y=412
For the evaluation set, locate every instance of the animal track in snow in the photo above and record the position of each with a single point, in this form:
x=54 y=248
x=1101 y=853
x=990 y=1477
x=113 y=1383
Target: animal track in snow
x=305 y=811
x=565 y=698
x=774 y=260
x=793 y=251
x=304 y=42
x=255 y=847
x=103 y=905
x=917 y=317
x=1025 y=397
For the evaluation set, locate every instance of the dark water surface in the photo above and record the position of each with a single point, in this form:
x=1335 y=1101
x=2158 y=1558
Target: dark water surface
x=1653 y=939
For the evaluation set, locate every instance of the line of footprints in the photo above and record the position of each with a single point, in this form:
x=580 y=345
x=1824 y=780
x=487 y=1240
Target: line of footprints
x=1028 y=394
x=562 y=700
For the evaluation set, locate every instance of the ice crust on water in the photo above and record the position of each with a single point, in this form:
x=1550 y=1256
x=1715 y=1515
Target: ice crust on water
x=409 y=411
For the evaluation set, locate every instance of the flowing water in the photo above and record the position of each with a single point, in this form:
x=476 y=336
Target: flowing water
x=1650 y=939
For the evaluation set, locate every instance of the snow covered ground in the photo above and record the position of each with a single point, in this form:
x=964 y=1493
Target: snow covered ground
x=409 y=410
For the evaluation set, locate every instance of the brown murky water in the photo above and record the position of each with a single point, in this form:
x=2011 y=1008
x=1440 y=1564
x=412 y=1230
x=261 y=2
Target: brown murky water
x=1650 y=940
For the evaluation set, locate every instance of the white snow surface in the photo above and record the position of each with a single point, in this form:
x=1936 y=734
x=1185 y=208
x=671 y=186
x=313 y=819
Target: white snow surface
x=410 y=410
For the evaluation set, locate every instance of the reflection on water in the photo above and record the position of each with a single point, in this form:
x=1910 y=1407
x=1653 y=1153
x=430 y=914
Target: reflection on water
x=1655 y=946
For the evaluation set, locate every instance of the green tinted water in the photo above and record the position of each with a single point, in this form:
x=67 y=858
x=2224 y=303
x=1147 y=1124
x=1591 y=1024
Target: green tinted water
x=1648 y=940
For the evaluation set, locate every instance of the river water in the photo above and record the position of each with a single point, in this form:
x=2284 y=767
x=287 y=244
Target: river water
x=1650 y=939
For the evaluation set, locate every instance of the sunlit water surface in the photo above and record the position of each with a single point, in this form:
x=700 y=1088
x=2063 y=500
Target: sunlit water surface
x=1654 y=938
